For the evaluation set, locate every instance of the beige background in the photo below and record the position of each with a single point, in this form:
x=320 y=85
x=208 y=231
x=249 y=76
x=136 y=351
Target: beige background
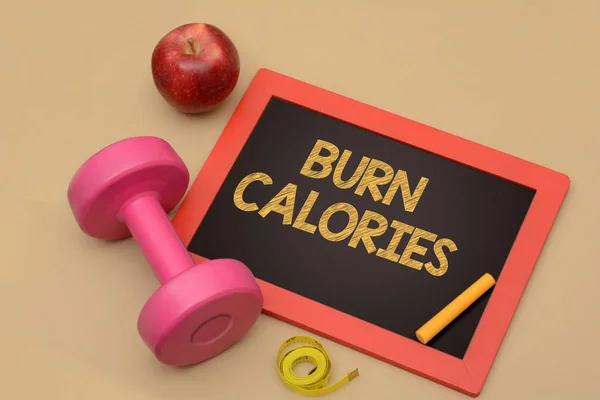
x=520 y=76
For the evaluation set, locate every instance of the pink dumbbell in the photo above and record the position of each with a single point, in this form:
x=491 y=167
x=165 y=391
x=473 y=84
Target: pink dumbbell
x=127 y=189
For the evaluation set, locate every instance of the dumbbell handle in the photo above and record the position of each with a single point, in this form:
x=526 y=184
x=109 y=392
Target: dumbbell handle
x=150 y=226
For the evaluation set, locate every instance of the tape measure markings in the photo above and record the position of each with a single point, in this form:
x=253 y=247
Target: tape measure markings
x=313 y=352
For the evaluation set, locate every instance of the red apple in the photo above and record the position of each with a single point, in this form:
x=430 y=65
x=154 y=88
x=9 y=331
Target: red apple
x=195 y=67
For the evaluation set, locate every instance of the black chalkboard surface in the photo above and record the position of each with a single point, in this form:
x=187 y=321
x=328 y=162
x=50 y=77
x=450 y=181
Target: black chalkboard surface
x=361 y=225
x=479 y=213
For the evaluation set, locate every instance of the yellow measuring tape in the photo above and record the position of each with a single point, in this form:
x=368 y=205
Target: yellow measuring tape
x=313 y=352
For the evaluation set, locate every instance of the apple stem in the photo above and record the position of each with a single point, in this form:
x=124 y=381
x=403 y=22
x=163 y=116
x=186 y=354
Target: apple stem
x=192 y=47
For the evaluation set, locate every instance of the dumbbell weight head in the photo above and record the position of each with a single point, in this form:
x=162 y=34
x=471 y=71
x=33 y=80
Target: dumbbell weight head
x=127 y=189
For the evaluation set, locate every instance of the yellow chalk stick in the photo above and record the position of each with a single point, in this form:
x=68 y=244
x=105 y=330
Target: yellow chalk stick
x=455 y=308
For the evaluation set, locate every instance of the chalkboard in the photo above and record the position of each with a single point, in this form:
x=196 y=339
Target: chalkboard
x=361 y=213
x=470 y=217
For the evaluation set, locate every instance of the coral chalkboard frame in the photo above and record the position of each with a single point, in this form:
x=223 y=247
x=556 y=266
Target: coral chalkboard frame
x=466 y=375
